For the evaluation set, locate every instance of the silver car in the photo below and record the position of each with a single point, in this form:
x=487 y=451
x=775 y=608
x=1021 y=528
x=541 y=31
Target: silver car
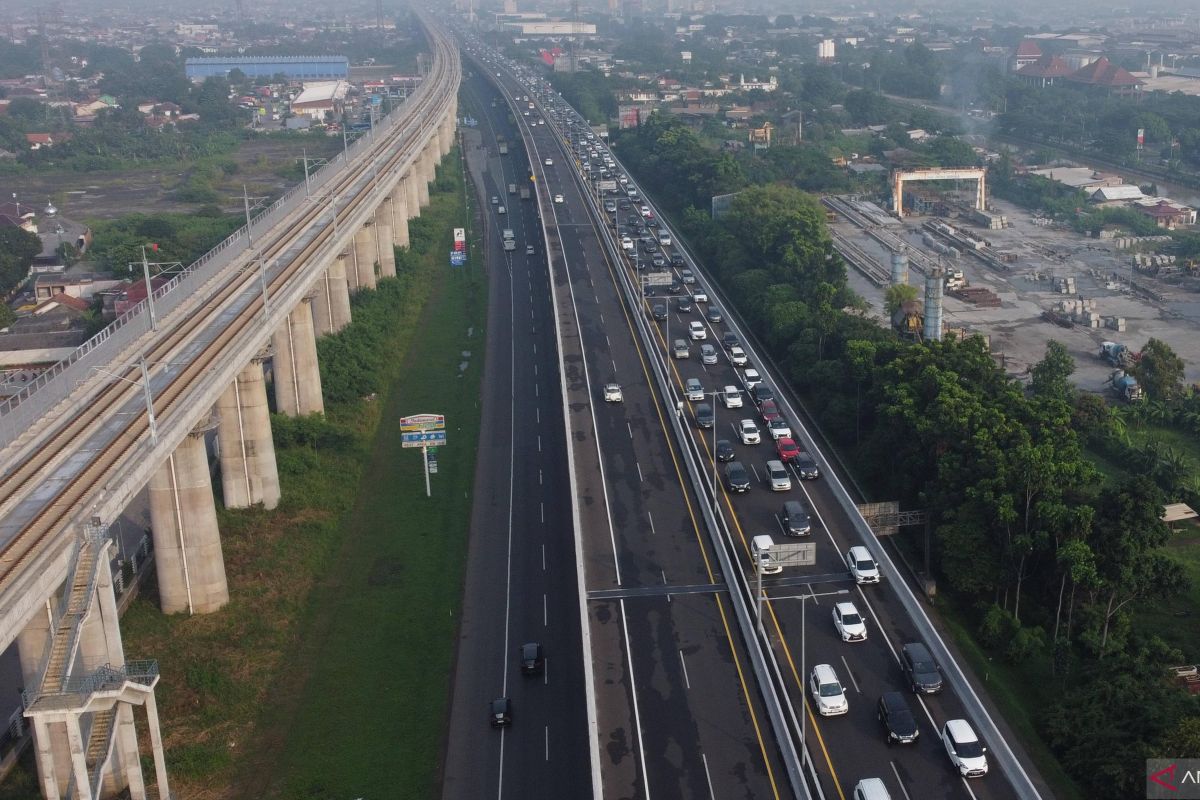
x=693 y=388
x=781 y=481
x=708 y=354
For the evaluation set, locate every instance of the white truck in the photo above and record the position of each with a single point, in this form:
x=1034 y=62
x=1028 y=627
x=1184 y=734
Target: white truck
x=510 y=240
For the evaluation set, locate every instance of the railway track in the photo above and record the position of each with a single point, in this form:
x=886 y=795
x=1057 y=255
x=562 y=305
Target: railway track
x=238 y=293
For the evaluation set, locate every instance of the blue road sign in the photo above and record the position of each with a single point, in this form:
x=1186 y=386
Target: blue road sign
x=423 y=438
x=457 y=258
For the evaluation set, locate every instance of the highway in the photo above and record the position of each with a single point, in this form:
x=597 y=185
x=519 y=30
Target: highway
x=678 y=712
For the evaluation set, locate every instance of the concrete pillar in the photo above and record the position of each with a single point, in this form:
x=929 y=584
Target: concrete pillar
x=400 y=213
x=365 y=255
x=412 y=184
x=100 y=635
x=331 y=304
x=83 y=786
x=425 y=173
x=156 y=746
x=53 y=755
x=297 y=377
x=249 y=475
x=127 y=752
x=187 y=543
x=383 y=238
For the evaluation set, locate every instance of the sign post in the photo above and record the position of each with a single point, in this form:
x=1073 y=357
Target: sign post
x=425 y=431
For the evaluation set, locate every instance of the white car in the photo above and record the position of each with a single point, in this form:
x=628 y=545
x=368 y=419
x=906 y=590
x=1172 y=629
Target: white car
x=779 y=429
x=612 y=393
x=558 y=198
x=778 y=476
x=967 y=753
x=697 y=331
x=501 y=210
x=748 y=432
x=626 y=243
x=849 y=623
x=549 y=162
x=694 y=390
x=708 y=354
x=738 y=356
x=700 y=297
x=751 y=378
x=827 y=693
x=732 y=397
x=861 y=565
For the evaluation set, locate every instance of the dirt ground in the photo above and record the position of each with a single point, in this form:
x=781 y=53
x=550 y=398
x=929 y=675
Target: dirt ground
x=86 y=196
x=1016 y=328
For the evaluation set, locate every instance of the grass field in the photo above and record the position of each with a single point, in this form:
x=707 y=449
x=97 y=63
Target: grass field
x=328 y=674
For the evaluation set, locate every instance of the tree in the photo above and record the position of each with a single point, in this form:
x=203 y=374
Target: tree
x=1050 y=376
x=1159 y=370
x=896 y=295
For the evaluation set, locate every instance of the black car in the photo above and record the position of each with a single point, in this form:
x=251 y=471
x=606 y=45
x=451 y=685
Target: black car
x=676 y=260
x=729 y=339
x=736 y=477
x=500 y=712
x=724 y=450
x=920 y=669
x=704 y=415
x=713 y=314
x=806 y=467
x=659 y=310
x=658 y=261
x=532 y=660
x=684 y=304
x=623 y=205
x=675 y=288
x=899 y=725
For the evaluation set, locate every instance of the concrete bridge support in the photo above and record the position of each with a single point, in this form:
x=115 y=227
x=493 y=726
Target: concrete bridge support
x=383 y=238
x=426 y=172
x=400 y=213
x=331 y=305
x=53 y=751
x=187 y=542
x=412 y=183
x=297 y=377
x=365 y=255
x=249 y=475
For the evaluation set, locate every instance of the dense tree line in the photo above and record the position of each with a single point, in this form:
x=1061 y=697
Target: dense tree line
x=1051 y=560
x=180 y=237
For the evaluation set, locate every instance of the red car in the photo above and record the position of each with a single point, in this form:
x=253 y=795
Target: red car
x=769 y=411
x=787 y=449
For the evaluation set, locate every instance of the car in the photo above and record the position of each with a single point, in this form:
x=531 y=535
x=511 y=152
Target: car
x=700 y=296
x=659 y=311
x=806 y=467
x=626 y=243
x=767 y=409
x=778 y=476
x=795 y=519
x=780 y=429
x=708 y=354
x=748 y=432
x=693 y=389
x=725 y=451
x=675 y=288
x=651 y=222
x=731 y=396
x=849 y=623
x=677 y=260
x=763 y=544
x=861 y=565
x=763 y=392
x=922 y=672
x=558 y=198
x=786 y=447
x=680 y=349
x=899 y=724
x=713 y=314
x=495 y=200
x=966 y=752
x=827 y=692
x=729 y=339
x=871 y=789
x=549 y=162
x=500 y=712
x=532 y=660
x=737 y=479
x=658 y=261
x=697 y=331
x=529 y=251
x=610 y=206
x=704 y=415
x=623 y=205
x=737 y=356
x=612 y=393
x=684 y=304
x=750 y=379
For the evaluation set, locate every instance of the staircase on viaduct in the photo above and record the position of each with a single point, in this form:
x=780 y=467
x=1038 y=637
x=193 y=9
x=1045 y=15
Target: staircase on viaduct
x=132 y=407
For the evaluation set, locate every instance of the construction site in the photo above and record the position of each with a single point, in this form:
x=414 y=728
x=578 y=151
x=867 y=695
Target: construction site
x=984 y=266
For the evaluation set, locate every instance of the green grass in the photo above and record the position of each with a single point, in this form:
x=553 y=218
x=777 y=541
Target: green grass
x=1182 y=441
x=1175 y=619
x=1018 y=691
x=328 y=674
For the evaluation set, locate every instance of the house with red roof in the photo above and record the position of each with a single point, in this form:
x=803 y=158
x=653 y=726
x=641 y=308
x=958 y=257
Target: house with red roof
x=1027 y=53
x=1045 y=71
x=1106 y=76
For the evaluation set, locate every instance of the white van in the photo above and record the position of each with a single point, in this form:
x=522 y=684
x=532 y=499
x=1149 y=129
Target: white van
x=762 y=546
x=664 y=238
